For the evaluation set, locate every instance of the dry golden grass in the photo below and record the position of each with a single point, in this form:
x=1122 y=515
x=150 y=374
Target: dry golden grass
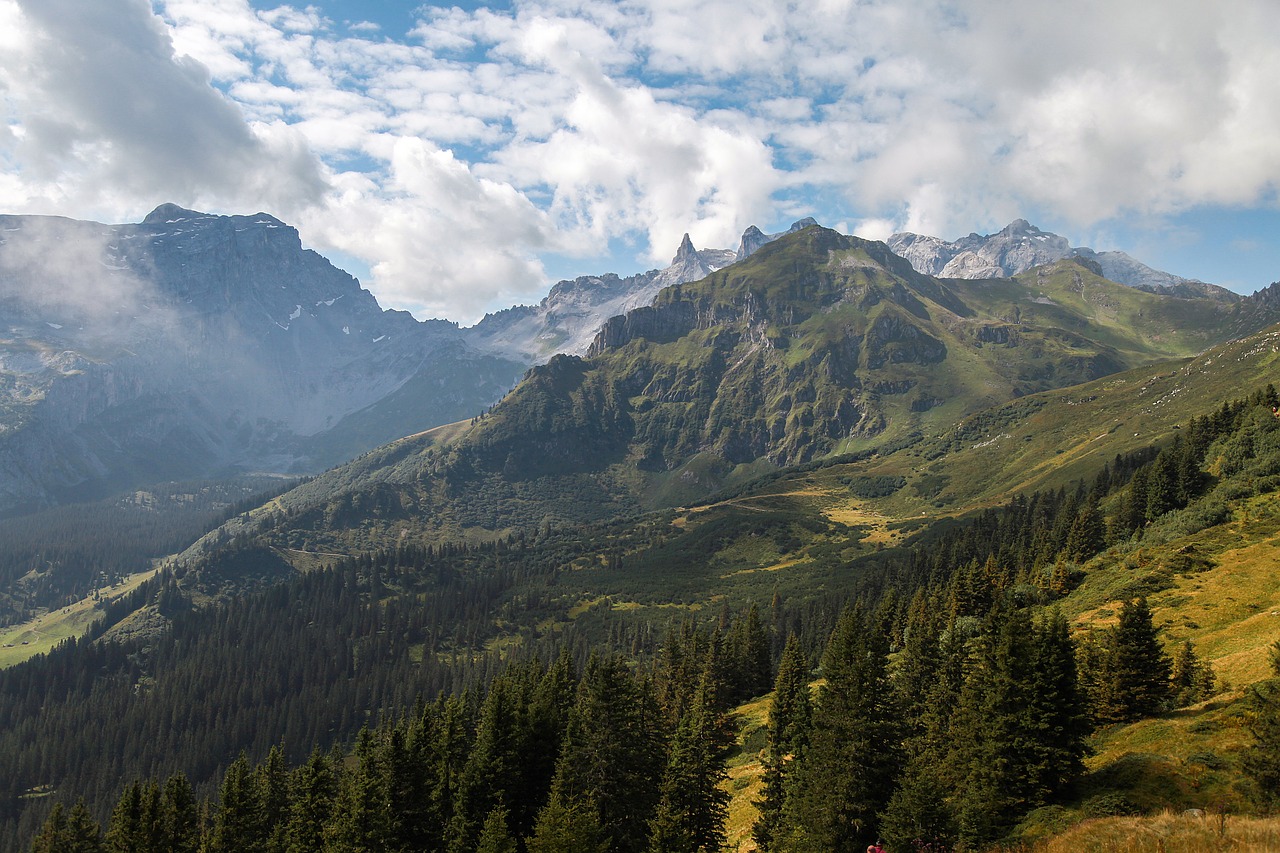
x=745 y=782
x=1167 y=833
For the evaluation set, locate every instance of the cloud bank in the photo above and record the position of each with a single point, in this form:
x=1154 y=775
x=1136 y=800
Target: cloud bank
x=457 y=158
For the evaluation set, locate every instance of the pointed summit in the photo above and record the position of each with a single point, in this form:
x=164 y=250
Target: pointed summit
x=686 y=252
x=752 y=239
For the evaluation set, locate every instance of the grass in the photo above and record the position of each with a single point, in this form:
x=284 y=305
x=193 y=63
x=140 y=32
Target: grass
x=41 y=634
x=745 y=783
x=1167 y=832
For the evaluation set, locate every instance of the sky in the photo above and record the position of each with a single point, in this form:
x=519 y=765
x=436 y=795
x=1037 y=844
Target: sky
x=461 y=158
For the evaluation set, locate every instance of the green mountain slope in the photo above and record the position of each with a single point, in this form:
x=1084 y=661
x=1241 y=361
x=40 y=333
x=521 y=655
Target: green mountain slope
x=819 y=344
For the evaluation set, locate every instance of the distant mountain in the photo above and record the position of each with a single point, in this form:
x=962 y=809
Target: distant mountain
x=1020 y=246
x=566 y=320
x=193 y=345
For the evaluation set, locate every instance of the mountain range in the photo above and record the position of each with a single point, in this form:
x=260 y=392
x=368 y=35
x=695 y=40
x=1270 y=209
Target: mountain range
x=191 y=345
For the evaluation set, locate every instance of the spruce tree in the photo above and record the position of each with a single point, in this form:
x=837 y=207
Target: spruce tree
x=564 y=827
x=692 y=806
x=789 y=719
x=83 y=835
x=1261 y=761
x=845 y=777
x=495 y=837
x=314 y=789
x=613 y=753
x=1138 y=664
x=1193 y=680
x=53 y=834
x=179 y=823
x=237 y=823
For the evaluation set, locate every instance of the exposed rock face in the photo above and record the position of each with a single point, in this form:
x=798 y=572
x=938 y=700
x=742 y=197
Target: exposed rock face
x=753 y=238
x=189 y=344
x=1020 y=246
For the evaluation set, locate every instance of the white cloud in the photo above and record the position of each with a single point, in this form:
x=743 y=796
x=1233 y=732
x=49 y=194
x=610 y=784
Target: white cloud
x=451 y=159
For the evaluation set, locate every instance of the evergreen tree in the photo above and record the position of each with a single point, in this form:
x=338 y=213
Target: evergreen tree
x=613 y=754
x=1261 y=762
x=494 y=835
x=53 y=834
x=314 y=788
x=692 y=806
x=125 y=832
x=1019 y=732
x=83 y=834
x=918 y=811
x=360 y=816
x=179 y=819
x=273 y=797
x=566 y=828
x=1193 y=680
x=789 y=718
x=237 y=824
x=1137 y=664
x=845 y=777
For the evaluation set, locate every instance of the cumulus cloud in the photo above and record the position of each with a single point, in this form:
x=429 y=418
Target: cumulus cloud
x=452 y=159
x=447 y=244
x=104 y=107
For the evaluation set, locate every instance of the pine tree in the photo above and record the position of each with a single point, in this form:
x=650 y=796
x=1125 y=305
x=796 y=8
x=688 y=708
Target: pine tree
x=237 y=824
x=360 y=816
x=179 y=824
x=124 y=827
x=1138 y=664
x=83 y=835
x=845 y=777
x=314 y=788
x=69 y=832
x=1019 y=730
x=53 y=834
x=613 y=754
x=272 y=780
x=789 y=719
x=1261 y=761
x=1193 y=680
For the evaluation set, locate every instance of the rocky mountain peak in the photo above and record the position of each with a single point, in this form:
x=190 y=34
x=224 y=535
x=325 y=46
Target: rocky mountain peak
x=170 y=212
x=686 y=252
x=1019 y=246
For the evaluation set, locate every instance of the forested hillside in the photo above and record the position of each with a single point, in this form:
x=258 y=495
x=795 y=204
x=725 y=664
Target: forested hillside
x=956 y=694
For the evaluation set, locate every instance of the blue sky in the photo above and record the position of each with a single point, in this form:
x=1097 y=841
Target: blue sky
x=462 y=158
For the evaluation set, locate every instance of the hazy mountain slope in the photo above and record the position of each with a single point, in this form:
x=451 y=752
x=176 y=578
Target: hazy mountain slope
x=189 y=344
x=567 y=319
